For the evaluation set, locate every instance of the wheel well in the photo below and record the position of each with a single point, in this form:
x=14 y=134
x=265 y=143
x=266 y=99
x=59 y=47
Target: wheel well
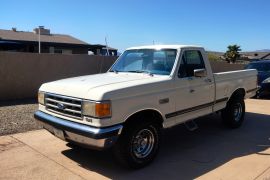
x=238 y=93
x=145 y=115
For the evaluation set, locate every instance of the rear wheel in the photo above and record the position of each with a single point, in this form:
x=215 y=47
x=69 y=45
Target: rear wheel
x=138 y=144
x=234 y=113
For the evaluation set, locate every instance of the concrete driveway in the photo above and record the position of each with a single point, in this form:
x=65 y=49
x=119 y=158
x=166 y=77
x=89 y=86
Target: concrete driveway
x=211 y=152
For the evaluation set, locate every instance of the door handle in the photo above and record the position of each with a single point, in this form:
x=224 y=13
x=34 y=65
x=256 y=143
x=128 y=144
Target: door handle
x=191 y=90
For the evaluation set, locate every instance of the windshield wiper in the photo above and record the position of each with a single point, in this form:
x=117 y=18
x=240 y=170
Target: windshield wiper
x=141 y=71
x=113 y=70
x=132 y=71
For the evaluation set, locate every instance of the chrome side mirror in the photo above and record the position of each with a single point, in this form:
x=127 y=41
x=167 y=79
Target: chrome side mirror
x=200 y=73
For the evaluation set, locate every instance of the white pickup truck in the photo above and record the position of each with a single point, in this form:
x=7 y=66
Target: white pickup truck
x=147 y=89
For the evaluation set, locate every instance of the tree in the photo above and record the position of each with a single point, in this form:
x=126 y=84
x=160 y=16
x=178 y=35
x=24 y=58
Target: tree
x=232 y=54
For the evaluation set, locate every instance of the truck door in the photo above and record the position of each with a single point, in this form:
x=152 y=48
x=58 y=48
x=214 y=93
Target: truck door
x=197 y=98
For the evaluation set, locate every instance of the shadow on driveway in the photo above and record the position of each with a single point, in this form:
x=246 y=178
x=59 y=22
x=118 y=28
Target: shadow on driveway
x=186 y=154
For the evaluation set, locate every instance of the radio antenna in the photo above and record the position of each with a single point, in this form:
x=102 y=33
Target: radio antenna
x=107 y=46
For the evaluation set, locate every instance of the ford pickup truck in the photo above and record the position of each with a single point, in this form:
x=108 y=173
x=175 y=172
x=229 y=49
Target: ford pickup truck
x=147 y=89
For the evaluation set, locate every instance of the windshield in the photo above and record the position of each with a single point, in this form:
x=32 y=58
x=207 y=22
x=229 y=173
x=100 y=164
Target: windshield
x=259 y=66
x=146 y=61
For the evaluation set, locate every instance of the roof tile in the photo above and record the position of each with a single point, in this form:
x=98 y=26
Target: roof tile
x=31 y=36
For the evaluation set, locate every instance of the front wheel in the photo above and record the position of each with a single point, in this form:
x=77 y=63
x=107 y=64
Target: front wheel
x=234 y=113
x=138 y=145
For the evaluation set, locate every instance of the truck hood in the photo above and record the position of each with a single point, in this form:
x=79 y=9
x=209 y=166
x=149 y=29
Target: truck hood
x=98 y=84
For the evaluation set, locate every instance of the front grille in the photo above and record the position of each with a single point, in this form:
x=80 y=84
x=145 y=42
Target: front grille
x=63 y=105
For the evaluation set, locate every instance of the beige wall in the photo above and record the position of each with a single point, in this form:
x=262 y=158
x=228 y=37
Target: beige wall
x=224 y=66
x=21 y=74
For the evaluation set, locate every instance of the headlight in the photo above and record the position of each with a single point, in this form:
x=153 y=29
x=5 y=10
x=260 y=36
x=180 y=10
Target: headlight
x=266 y=80
x=97 y=109
x=41 y=96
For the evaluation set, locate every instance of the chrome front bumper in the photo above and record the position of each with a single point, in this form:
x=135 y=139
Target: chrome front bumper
x=93 y=137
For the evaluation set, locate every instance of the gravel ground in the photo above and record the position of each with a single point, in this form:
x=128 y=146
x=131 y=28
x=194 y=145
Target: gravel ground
x=17 y=116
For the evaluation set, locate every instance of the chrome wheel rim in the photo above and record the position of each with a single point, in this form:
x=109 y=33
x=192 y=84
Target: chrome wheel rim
x=238 y=112
x=143 y=143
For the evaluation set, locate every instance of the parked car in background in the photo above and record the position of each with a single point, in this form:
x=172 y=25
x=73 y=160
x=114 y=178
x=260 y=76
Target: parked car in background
x=263 y=68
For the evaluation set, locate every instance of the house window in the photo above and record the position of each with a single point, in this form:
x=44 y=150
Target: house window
x=58 y=51
x=66 y=51
x=51 y=50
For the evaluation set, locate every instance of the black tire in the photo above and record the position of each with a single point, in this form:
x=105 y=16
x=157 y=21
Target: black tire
x=234 y=113
x=125 y=150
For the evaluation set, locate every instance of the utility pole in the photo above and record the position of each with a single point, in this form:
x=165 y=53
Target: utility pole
x=39 y=45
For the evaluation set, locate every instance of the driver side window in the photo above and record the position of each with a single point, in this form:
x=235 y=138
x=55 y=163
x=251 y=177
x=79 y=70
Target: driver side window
x=191 y=59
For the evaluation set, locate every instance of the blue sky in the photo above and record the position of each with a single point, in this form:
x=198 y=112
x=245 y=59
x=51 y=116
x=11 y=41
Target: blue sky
x=213 y=24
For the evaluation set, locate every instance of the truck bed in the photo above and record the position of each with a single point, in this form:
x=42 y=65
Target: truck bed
x=245 y=79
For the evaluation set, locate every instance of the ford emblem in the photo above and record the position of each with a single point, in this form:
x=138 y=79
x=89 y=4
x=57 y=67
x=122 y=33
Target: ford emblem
x=61 y=106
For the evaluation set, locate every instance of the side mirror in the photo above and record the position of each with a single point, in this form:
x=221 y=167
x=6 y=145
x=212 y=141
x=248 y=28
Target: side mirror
x=200 y=73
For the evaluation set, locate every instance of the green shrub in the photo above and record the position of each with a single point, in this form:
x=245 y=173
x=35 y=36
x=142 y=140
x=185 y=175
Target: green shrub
x=213 y=57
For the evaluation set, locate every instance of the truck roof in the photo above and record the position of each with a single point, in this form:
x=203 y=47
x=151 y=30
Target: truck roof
x=165 y=47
